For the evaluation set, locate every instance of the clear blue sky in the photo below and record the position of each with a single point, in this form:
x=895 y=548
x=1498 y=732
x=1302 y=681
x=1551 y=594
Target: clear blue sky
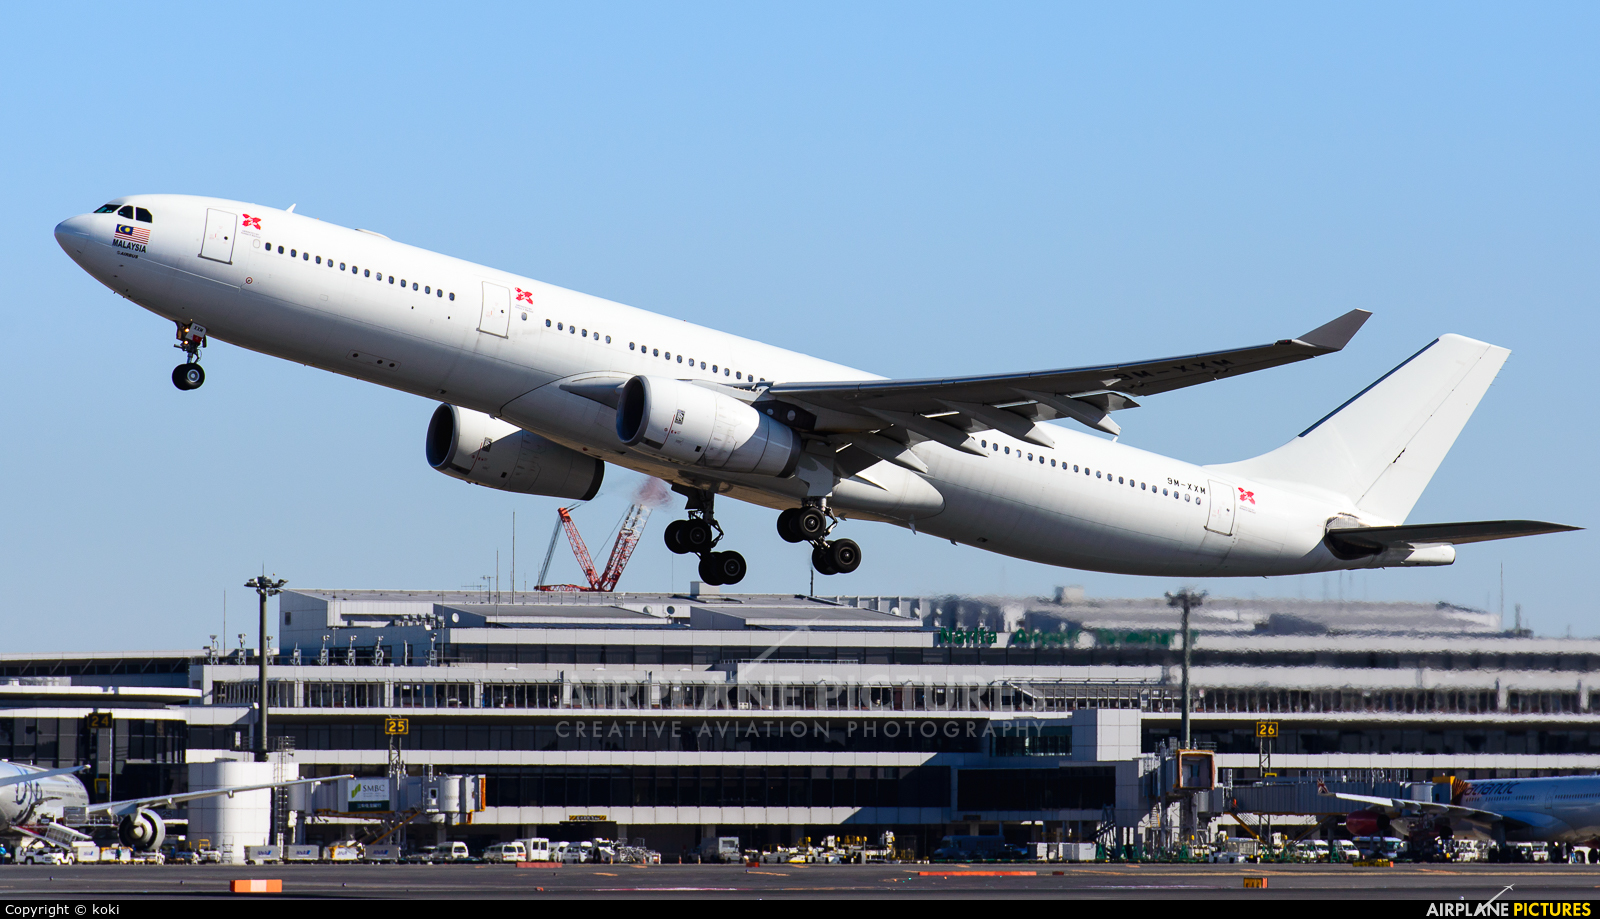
x=911 y=189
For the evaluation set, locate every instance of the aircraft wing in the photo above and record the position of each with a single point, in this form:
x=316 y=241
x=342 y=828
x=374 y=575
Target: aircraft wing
x=1405 y=808
x=1376 y=539
x=36 y=776
x=1013 y=402
x=123 y=808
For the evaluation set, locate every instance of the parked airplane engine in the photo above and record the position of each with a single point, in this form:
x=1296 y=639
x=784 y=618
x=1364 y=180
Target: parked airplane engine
x=476 y=448
x=1367 y=823
x=697 y=426
x=142 y=830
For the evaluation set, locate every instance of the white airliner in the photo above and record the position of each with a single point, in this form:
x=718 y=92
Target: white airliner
x=1564 y=809
x=47 y=805
x=541 y=387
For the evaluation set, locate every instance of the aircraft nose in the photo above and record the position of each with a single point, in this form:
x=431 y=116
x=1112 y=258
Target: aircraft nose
x=73 y=232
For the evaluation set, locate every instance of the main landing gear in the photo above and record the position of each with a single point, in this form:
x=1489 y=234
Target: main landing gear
x=812 y=523
x=189 y=374
x=699 y=535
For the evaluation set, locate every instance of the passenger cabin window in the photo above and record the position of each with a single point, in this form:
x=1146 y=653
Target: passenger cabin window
x=142 y=215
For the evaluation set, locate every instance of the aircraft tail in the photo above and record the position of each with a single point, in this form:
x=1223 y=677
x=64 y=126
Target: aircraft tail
x=1381 y=448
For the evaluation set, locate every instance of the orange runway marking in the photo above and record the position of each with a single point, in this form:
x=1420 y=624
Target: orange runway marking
x=979 y=874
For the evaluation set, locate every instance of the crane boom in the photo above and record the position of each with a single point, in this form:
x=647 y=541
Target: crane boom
x=579 y=549
x=622 y=549
x=628 y=533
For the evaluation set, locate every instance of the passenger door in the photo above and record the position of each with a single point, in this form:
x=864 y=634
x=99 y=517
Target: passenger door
x=496 y=317
x=1220 y=517
x=221 y=228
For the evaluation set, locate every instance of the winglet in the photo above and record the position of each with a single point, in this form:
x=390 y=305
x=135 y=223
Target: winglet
x=1333 y=336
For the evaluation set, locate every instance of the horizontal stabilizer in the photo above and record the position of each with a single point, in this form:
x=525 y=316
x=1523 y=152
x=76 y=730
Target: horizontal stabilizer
x=1376 y=539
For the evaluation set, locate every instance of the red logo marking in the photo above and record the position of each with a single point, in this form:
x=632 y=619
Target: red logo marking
x=252 y=221
x=524 y=295
x=1247 y=496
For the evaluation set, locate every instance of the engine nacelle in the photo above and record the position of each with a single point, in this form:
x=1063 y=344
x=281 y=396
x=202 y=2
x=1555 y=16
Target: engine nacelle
x=1366 y=823
x=697 y=426
x=476 y=448
x=142 y=830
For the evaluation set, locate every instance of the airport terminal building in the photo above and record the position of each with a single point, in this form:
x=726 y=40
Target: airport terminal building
x=772 y=718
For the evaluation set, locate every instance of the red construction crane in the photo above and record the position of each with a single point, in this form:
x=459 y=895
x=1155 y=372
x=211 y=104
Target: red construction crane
x=628 y=534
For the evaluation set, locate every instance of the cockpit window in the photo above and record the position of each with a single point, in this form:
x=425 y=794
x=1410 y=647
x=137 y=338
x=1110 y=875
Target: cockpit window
x=106 y=209
x=125 y=211
x=141 y=214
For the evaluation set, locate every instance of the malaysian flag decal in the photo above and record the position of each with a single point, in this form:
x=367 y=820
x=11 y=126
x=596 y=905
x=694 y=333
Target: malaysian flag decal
x=132 y=233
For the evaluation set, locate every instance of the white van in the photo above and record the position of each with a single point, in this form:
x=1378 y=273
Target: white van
x=573 y=853
x=537 y=848
x=512 y=852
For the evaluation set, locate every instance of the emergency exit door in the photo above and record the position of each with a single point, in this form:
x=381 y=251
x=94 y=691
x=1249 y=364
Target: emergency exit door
x=217 y=244
x=496 y=317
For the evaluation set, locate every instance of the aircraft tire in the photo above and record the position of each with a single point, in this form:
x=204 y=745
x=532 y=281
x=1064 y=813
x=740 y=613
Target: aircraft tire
x=673 y=537
x=696 y=535
x=810 y=523
x=787 y=528
x=822 y=561
x=188 y=376
x=709 y=573
x=844 y=555
x=731 y=567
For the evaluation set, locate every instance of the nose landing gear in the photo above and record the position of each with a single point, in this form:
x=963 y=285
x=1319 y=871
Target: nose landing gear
x=189 y=374
x=699 y=535
x=812 y=523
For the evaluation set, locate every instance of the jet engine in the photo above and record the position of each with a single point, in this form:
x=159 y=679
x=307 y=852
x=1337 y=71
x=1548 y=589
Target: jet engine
x=697 y=426
x=1367 y=823
x=476 y=448
x=142 y=830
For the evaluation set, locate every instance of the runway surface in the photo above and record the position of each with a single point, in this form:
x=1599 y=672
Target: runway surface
x=656 y=882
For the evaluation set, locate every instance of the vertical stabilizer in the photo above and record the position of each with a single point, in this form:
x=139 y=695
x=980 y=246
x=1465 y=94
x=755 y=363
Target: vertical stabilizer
x=1381 y=448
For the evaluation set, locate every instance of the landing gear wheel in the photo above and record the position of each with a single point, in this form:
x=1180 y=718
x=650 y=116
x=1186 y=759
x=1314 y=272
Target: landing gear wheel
x=844 y=555
x=188 y=376
x=822 y=560
x=696 y=535
x=673 y=537
x=810 y=523
x=722 y=568
x=787 y=527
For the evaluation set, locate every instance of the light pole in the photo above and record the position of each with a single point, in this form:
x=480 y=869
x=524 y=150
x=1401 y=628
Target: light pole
x=1186 y=599
x=264 y=587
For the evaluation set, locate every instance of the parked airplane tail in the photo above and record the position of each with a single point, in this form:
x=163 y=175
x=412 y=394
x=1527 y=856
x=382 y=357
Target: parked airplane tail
x=1382 y=447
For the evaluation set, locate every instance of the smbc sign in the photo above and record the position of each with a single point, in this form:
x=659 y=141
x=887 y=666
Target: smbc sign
x=366 y=795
